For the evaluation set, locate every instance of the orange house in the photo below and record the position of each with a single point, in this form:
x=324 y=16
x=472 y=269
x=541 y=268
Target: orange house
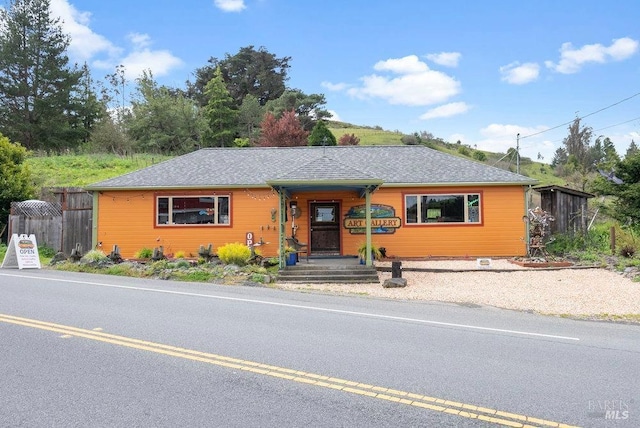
x=411 y=200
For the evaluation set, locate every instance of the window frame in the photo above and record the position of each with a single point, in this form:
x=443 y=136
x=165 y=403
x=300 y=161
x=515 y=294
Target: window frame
x=419 y=196
x=170 y=207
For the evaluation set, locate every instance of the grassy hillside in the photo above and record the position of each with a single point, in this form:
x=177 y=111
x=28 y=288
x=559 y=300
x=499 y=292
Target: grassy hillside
x=81 y=170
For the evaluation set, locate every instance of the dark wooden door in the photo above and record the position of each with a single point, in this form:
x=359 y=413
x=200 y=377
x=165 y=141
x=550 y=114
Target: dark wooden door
x=325 y=228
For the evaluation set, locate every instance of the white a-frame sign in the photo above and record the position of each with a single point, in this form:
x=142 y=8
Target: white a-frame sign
x=22 y=253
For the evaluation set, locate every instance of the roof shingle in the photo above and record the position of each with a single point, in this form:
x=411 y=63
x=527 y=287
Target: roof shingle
x=250 y=167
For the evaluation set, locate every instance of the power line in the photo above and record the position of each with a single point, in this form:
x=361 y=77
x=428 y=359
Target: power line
x=587 y=115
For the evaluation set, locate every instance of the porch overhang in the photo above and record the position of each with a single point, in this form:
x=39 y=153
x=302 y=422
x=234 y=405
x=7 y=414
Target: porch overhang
x=289 y=187
x=286 y=188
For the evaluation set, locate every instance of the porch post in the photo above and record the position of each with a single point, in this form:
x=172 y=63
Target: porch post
x=367 y=220
x=282 y=199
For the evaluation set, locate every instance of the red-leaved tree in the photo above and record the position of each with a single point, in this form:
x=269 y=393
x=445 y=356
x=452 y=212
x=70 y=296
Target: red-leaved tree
x=284 y=132
x=348 y=140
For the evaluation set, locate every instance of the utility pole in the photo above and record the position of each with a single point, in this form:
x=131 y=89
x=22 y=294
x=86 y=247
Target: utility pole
x=518 y=153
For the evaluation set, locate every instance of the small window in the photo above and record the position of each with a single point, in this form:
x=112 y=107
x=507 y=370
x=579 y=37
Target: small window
x=440 y=208
x=192 y=210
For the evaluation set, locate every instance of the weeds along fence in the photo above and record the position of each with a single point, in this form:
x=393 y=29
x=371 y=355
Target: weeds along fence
x=61 y=222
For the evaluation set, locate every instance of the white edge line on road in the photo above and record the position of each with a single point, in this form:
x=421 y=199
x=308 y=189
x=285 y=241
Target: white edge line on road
x=314 y=308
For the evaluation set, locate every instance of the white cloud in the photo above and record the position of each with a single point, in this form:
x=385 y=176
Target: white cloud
x=447 y=110
x=85 y=44
x=416 y=84
x=160 y=62
x=334 y=116
x=519 y=74
x=447 y=59
x=230 y=5
x=572 y=60
x=334 y=86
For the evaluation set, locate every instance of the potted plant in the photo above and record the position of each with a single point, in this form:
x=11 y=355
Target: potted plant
x=290 y=255
x=375 y=252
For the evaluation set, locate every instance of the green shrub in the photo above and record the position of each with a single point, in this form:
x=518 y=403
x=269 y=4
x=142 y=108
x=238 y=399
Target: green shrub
x=144 y=253
x=94 y=256
x=234 y=253
x=46 y=252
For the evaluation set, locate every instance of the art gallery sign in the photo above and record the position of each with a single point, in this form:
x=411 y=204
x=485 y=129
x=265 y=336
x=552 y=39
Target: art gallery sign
x=383 y=219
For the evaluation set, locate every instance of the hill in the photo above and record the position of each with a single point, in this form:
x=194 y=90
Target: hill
x=81 y=170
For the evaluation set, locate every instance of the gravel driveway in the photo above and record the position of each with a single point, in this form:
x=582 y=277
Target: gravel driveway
x=582 y=293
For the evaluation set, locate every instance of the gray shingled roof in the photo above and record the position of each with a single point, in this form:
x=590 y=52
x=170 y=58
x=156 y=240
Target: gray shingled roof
x=249 y=167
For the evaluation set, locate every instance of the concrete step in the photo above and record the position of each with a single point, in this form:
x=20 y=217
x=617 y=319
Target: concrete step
x=328 y=274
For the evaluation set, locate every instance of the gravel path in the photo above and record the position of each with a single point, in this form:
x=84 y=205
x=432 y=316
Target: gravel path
x=582 y=293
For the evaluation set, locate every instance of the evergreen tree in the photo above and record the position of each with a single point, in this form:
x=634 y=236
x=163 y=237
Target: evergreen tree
x=36 y=82
x=322 y=136
x=632 y=149
x=162 y=122
x=220 y=113
x=250 y=71
x=249 y=117
x=308 y=108
x=626 y=207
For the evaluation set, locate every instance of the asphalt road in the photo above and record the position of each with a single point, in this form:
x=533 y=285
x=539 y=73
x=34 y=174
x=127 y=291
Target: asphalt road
x=103 y=351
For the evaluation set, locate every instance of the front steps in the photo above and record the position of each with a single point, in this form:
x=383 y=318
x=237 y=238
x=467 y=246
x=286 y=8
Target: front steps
x=319 y=274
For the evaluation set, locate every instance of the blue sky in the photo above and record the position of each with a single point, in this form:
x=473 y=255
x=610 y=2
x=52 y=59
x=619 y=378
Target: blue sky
x=481 y=72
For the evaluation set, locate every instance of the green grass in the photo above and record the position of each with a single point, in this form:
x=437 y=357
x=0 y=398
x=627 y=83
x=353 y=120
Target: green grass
x=81 y=170
x=369 y=136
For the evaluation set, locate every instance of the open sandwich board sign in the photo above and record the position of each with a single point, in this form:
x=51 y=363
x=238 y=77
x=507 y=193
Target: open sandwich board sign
x=22 y=253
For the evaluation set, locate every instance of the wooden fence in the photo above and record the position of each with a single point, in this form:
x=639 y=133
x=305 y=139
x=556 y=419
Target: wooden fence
x=60 y=223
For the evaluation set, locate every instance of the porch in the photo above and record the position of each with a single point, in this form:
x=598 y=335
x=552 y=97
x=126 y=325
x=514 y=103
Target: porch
x=329 y=270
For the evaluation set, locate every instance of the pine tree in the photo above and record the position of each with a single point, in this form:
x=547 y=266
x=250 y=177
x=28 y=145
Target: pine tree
x=220 y=113
x=36 y=82
x=322 y=136
x=632 y=149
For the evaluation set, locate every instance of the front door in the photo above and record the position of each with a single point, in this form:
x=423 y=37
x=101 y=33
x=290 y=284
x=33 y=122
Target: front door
x=325 y=228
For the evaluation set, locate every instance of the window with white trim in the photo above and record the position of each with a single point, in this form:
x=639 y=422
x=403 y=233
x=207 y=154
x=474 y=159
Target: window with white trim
x=440 y=208
x=192 y=210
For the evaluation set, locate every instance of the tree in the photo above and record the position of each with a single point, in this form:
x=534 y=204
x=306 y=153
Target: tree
x=162 y=122
x=560 y=158
x=626 y=207
x=632 y=149
x=349 y=140
x=249 y=117
x=107 y=136
x=220 y=113
x=577 y=144
x=88 y=109
x=307 y=107
x=256 y=72
x=36 y=81
x=283 y=132
x=322 y=136
x=15 y=179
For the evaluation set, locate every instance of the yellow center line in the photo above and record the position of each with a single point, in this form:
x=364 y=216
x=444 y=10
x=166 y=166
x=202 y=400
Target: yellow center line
x=402 y=397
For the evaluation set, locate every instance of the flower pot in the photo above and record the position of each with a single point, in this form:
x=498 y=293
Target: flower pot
x=290 y=259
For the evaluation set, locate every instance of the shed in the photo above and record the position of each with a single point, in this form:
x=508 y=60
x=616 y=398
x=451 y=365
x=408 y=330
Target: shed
x=568 y=206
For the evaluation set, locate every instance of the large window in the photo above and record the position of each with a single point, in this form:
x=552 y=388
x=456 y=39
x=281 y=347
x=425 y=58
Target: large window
x=192 y=210
x=436 y=208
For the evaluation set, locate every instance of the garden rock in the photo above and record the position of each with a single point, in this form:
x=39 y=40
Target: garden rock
x=394 y=283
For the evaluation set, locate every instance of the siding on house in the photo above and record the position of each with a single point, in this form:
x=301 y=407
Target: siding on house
x=127 y=218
